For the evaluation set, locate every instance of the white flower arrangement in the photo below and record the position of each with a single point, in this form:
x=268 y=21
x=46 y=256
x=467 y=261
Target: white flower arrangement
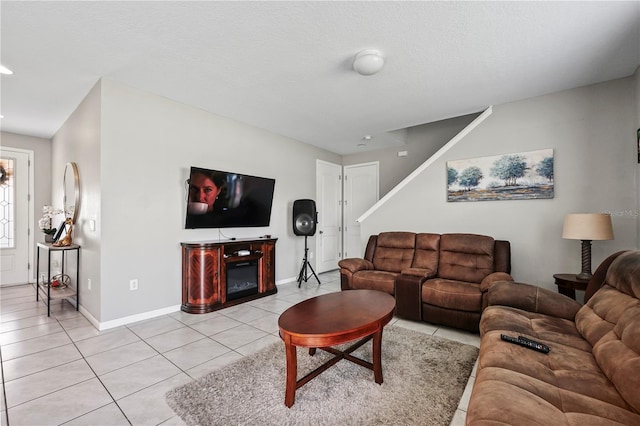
x=45 y=222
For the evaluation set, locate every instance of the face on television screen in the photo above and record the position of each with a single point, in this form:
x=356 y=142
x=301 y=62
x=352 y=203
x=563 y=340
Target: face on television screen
x=218 y=199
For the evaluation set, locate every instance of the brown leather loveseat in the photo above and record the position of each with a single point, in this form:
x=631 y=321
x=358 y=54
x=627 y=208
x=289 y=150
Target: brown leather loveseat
x=436 y=278
x=591 y=374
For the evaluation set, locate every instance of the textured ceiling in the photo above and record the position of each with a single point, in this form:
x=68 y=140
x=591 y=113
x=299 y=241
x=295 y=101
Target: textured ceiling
x=286 y=66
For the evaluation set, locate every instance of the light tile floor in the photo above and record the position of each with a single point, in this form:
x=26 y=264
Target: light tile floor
x=61 y=370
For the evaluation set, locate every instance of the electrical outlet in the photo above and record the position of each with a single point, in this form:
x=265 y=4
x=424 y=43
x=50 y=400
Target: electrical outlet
x=88 y=283
x=310 y=255
x=133 y=285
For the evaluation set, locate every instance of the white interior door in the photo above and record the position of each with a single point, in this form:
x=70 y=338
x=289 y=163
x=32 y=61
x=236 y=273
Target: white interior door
x=360 y=193
x=16 y=215
x=329 y=195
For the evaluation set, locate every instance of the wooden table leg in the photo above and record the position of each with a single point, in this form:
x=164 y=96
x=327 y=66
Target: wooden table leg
x=377 y=356
x=292 y=373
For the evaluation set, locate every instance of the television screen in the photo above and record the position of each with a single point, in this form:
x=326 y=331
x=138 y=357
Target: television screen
x=219 y=199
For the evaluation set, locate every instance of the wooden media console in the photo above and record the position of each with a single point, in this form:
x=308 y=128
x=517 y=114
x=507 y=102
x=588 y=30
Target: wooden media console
x=207 y=267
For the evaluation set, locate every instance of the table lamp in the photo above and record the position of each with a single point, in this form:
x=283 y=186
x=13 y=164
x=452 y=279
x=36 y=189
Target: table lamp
x=587 y=227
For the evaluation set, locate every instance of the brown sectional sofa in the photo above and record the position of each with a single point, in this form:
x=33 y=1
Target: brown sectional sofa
x=436 y=278
x=591 y=374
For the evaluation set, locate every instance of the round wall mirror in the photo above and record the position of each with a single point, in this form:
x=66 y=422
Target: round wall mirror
x=71 y=191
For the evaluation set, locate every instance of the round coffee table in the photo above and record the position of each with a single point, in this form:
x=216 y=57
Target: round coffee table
x=332 y=319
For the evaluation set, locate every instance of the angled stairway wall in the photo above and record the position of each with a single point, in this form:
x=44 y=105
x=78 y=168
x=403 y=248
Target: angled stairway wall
x=420 y=143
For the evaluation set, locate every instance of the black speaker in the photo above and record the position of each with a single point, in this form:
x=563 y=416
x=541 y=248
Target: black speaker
x=304 y=217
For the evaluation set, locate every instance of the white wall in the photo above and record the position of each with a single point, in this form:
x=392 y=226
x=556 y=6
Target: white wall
x=636 y=84
x=42 y=174
x=590 y=130
x=422 y=142
x=148 y=144
x=78 y=140
x=134 y=151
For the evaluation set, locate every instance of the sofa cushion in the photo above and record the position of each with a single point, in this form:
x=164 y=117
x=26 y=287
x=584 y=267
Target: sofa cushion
x=375 y=280
x=466 y=257
x=600 y=315
x=617 y=354
x=565 y=370
x=504 y=397
x=451 y=294
x=550 y=330
x=611 y=322
x=426 y=252
x=394 y=251
x=624 y=274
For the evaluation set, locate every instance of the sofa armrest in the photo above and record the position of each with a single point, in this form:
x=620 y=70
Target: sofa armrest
x=354 y=264
x=419 y=272
x=492 y=278
x=408 y=294
x=532 y=299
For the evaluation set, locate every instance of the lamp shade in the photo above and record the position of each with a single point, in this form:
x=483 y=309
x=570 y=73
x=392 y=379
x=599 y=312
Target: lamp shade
x=587 y=226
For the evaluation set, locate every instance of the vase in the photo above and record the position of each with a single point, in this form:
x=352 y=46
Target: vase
x=48 y=238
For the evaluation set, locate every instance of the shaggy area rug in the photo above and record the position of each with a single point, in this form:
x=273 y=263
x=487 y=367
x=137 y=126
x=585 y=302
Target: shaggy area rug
x=424 y=378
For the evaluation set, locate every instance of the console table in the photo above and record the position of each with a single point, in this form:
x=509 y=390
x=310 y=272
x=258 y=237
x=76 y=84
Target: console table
x=55 y=292
x=207 y=266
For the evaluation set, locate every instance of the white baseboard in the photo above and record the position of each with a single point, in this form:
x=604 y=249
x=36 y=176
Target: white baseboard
x=90 y=317
x=127 y=320
x=286 y=280
x=146 y=315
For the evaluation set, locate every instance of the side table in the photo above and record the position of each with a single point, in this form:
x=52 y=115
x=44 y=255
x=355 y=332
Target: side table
x=57 y=293
x=568 y=284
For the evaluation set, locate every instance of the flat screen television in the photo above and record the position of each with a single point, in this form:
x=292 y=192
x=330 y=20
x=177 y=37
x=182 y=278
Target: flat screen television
x=218 y=199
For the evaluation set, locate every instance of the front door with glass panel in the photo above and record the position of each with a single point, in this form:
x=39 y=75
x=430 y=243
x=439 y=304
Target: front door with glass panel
x=15 y=216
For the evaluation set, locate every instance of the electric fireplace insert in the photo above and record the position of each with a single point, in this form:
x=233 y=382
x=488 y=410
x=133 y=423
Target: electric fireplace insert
x=242 y=279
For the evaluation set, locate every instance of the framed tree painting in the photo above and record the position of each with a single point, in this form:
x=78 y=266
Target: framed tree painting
x=520 y=176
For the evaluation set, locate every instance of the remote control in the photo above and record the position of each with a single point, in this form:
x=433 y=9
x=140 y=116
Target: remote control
x=527 y=343
x=535 y=342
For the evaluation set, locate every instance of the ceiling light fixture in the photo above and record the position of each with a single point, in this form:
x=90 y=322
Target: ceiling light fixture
x=368 y=62
x=5 y=70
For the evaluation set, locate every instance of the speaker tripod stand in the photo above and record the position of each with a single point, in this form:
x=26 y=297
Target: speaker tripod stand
x=304 y=274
